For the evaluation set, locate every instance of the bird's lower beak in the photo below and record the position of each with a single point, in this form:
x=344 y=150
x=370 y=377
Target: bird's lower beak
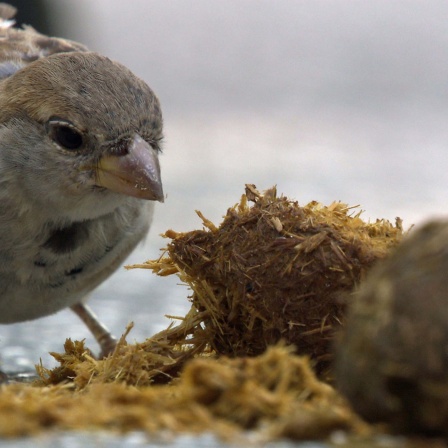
x=136 y=173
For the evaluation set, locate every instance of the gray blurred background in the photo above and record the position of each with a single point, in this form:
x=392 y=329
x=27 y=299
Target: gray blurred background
x=329 y=100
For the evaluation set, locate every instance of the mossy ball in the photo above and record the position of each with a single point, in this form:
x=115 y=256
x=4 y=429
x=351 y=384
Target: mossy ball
x=392 y=360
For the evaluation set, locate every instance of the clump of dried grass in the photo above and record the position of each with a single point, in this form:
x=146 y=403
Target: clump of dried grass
x=274 y=270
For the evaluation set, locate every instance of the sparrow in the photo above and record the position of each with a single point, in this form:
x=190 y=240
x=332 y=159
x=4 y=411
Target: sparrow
x=80 y=137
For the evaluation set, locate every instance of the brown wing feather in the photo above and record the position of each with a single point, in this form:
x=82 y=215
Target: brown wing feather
x=19 y=47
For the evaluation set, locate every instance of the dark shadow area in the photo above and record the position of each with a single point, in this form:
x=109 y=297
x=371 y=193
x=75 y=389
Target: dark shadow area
x=34 y=13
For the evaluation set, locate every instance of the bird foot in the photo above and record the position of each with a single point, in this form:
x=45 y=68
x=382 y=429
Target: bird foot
x=103 y=336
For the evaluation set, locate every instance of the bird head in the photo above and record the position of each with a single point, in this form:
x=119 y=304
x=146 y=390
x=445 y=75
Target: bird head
x=79 y=130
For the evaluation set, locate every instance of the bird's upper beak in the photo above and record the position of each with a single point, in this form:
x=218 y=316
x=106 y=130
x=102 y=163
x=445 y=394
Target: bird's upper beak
x=136 y=173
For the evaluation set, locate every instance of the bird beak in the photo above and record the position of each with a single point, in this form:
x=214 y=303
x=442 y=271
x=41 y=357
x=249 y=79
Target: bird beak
x=136 y=173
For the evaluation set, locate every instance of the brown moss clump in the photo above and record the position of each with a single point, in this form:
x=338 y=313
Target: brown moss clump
x=274 y=270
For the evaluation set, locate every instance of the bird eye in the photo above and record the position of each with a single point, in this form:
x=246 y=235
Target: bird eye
x=65 y=135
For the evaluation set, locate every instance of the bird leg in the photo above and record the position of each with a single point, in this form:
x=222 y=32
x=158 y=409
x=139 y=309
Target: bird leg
x=102 y=335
